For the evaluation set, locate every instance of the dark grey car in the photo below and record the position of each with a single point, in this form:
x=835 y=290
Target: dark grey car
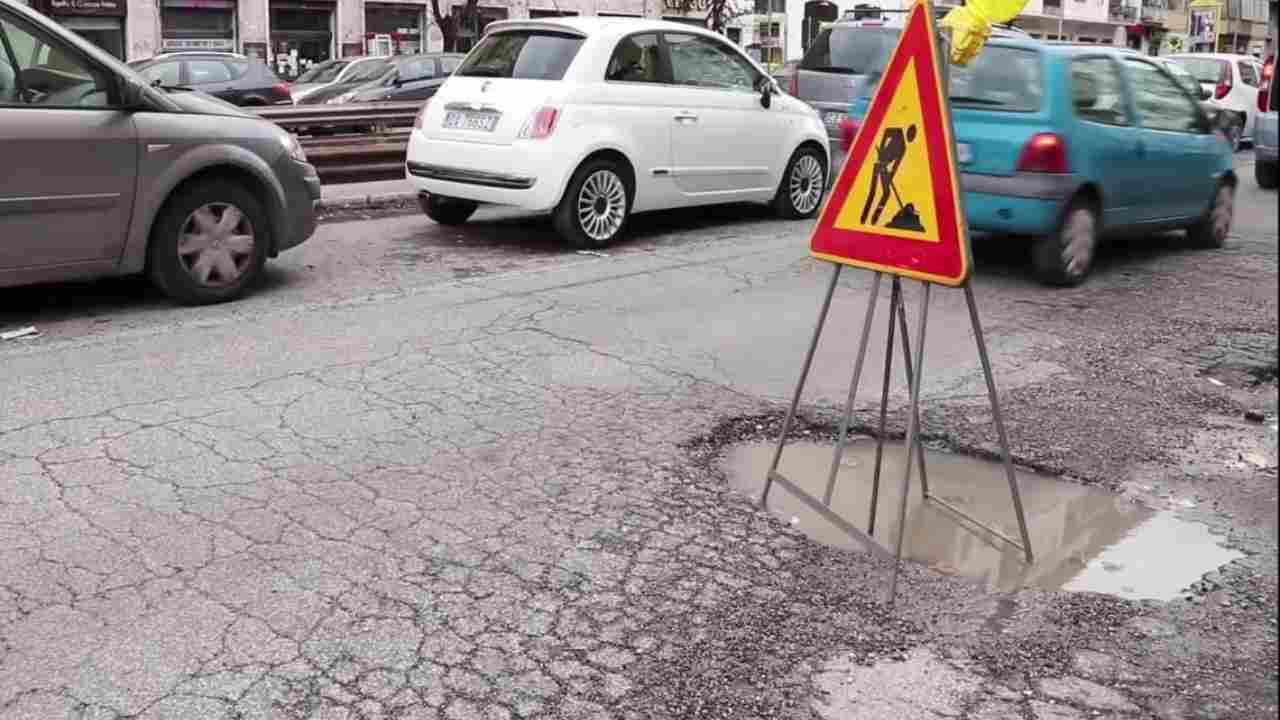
x=235 y=78
x=107 y=175
x=407 y=78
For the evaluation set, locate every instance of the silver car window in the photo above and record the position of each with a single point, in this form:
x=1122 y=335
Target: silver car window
x=44 y=72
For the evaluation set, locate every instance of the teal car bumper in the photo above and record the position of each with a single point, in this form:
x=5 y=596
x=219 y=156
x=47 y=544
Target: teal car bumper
x=1018 y=204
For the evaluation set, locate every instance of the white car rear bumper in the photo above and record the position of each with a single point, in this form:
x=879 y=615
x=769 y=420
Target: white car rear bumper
x=527 y=175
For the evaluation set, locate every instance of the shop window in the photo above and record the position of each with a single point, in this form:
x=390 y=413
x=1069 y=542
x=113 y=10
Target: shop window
x=393 y=29
x=210 y=26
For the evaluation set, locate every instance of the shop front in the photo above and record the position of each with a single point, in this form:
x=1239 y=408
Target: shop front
x=472 y=27
x=101 y=22
x=302 y=33
x=394 y=28
x=198 y=25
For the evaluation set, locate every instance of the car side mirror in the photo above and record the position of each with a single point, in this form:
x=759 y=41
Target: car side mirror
x=766 y=92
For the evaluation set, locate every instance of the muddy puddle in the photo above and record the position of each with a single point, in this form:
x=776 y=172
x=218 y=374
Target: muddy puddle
x=1084 y=539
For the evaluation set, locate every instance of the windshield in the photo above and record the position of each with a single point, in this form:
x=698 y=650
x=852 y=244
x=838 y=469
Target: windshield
x=523 y=55
x=999 y=78
x=1205 y=70
x=366 y=71
x=322 y=73
x=1184 y=78
x=850 y=50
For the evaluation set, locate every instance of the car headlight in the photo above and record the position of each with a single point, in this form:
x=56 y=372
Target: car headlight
x=293 y=147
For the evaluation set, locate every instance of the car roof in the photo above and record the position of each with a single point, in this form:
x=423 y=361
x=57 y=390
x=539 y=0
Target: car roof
x=1212 y=56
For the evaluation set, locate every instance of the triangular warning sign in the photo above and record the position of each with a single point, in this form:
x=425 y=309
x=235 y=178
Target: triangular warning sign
x=896 y=206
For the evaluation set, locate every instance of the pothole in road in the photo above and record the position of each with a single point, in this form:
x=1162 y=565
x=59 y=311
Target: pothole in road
x=1085 y=539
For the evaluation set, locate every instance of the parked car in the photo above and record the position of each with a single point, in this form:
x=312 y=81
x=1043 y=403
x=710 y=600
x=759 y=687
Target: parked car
x=1068 y=143
x=405 y=78
x=238 y=79
x=594 y=119
x=1230 y=82
x=1265 y=131
x=844 y=62
x=113 y=176
x=337 y=76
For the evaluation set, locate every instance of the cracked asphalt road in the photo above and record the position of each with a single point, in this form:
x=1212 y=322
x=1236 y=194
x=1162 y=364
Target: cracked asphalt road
x=465 y=473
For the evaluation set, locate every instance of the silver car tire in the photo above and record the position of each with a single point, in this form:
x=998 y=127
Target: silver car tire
x=209 y=243
x=803 y=184
x=596 y=205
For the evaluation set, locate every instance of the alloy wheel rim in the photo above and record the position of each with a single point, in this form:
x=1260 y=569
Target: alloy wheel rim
x=806 y=184
x=1077 y=251
x=602 y=205
x=1223 y=212
x=216 y=244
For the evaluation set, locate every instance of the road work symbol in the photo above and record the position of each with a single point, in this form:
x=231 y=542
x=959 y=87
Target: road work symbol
x=893 y=147
x=896 y=206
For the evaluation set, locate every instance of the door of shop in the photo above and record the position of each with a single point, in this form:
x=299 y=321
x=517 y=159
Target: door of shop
x=301 y=35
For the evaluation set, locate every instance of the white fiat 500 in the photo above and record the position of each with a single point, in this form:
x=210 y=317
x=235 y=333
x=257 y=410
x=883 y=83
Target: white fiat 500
x=593 y=119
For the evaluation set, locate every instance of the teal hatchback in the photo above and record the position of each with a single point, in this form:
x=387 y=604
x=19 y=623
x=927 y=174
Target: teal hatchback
x=1066 y=143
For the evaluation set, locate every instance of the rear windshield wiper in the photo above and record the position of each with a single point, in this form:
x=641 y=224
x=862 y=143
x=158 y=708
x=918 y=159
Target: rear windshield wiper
x=483 y=72
x=830 y=69
x=974 y=100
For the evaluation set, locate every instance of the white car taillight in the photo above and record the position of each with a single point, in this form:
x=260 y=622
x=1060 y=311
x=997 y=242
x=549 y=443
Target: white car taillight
x=541 y=123
x=422 y=115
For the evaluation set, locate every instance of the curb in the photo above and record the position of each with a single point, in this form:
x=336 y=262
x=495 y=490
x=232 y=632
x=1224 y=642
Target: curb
x=369 y=202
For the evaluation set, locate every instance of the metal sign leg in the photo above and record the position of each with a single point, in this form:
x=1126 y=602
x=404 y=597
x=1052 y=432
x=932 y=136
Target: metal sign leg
x=911 y=439
x=906 y=360
x=999 y=420
x=842 y=438
x=804 y=374
x=895 y=300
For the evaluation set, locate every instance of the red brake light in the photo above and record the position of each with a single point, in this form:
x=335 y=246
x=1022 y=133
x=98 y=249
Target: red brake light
x=422 y=114
x=1224 y=82
x=1045 y=153
x=1262 y=97
x=793 y=87
x=282 y=89
x=848 y=131
x=541 y=123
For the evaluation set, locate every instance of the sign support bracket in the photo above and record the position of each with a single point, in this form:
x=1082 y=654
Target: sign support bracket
x=897 y=323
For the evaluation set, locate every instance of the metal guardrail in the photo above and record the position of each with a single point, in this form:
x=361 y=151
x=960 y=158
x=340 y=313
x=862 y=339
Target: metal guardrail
x=359 y=142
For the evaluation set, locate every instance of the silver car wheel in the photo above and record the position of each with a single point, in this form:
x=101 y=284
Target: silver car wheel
x=602 y=205
x=1224 y=209
x=1079 y=239
x=806 y=184
x=216 y=244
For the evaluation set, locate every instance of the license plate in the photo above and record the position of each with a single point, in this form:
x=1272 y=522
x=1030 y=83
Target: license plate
x=461 y=120
x=832 y=119
x=964 y=153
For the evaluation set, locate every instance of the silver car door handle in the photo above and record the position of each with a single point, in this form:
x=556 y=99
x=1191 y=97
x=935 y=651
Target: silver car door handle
x=686 y=117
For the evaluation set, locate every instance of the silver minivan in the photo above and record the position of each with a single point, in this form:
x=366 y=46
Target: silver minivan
x=105 y=174
x=1266 y=136
x=845 y=61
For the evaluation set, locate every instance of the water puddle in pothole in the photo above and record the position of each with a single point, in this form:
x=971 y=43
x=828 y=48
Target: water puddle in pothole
x=1085 y=539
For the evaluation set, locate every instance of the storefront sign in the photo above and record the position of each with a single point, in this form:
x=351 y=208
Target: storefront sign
x=682 y=5
x=114 y=8
x=224 y=44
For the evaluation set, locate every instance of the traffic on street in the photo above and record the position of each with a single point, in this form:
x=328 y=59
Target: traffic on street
x=448 y=373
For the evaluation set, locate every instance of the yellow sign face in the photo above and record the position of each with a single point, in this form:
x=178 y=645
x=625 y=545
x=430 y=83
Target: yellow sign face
x=893 y=192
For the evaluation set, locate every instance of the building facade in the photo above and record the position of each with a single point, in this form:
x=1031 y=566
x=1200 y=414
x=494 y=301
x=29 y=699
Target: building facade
x=292 y=35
